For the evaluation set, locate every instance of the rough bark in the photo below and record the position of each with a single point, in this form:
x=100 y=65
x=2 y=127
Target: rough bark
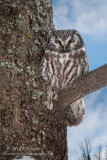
x=27 y=127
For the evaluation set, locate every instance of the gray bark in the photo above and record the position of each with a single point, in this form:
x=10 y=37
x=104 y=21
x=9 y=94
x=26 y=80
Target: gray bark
x=27 y=127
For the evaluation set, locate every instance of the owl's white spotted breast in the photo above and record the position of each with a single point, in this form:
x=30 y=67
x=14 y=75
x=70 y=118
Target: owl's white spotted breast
x=61 y=69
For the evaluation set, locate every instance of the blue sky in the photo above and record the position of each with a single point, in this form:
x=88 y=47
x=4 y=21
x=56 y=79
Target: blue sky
x=90 y=19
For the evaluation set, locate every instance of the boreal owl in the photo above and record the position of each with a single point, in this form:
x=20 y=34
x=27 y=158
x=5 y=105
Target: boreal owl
x=65 y=60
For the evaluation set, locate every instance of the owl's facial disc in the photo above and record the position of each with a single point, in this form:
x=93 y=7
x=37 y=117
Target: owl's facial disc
x=65 y=45
x=62 y=45
x=65 y=41
x=68 y=44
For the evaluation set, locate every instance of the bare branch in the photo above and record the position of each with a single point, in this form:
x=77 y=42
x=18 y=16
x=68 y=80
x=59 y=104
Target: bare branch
x=86 y=149
x=84 y=85
x=98 y=156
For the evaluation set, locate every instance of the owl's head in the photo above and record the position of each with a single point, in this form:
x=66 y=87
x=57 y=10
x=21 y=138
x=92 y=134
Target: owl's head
x=65 y=41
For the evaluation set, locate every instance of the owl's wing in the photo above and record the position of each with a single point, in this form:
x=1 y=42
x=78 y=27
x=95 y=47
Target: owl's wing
x=85 y=65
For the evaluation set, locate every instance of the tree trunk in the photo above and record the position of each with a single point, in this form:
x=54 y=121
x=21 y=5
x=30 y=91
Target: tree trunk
x=28 y=127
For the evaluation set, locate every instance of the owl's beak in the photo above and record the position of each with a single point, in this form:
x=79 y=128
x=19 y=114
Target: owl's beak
x=64 y=47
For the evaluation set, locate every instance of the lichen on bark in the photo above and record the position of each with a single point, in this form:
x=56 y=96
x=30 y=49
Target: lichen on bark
x=27 y=126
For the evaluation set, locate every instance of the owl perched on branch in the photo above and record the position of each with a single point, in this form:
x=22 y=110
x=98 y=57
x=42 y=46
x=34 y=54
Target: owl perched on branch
x=64 y=61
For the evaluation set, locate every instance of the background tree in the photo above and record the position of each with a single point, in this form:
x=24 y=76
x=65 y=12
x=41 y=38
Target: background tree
x=27 y=125
x=98 y=155
x=86 y=150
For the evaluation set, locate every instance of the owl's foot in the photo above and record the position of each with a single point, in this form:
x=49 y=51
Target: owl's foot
x=75 y=112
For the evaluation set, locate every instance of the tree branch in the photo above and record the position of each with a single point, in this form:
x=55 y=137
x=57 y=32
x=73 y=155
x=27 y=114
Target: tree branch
x=84 y=85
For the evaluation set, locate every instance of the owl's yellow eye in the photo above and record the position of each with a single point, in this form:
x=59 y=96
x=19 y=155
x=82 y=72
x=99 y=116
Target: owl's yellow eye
x=58 y=42
x=72 y=41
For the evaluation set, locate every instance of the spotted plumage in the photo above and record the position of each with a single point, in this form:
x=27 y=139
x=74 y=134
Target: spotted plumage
x=65 y=60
